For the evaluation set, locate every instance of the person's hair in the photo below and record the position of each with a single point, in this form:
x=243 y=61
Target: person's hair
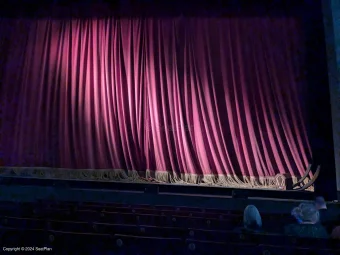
x=306 y=213
x=320 y=202
x=336 y=233
x=252 y=218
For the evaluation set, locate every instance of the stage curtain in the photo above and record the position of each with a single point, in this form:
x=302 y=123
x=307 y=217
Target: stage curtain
x=177 y=99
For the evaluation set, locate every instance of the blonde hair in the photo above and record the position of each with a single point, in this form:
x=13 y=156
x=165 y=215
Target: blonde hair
x=306 y=213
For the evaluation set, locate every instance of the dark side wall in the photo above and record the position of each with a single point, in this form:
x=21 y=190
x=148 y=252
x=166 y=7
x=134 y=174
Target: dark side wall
x=319 y=101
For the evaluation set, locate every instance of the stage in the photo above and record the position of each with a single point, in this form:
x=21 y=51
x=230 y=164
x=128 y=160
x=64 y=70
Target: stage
x=34 y=190
x=189 y=103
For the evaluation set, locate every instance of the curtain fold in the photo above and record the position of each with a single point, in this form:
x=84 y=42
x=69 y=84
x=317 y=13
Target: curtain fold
x=195 y=100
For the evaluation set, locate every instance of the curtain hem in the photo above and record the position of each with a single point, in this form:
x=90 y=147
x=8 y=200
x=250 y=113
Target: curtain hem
x=278 y=182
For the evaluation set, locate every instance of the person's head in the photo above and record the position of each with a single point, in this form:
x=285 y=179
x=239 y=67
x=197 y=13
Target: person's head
x=336 y=233
x=306 y=213
x=252 y=218
x=320 y=203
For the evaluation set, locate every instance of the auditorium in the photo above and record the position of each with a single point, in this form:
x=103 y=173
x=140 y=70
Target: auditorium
x=155 y=127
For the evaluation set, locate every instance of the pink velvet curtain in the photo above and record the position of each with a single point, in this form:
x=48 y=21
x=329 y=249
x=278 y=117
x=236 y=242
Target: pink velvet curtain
x=181 y=96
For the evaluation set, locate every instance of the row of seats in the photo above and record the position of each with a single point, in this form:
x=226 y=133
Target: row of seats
x=161 y=210
x=83 y=243
x=139 y=209
x=163 y=232
x=142 y=229
x=145 y=216
x=137 y=219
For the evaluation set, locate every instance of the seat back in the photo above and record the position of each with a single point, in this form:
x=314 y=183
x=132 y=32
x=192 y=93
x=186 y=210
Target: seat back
x=80 y=243
x=14 y=237
x=146 y=245
x=282 y=250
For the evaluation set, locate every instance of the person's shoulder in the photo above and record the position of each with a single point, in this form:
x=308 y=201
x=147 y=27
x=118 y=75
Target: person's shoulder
x=315 y=230
x=322 y=230
x=319 y=226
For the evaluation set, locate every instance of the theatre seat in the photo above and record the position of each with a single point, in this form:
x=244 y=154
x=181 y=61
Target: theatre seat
x=31 y=223
x=51 y=213
x=213 y=224
x=118 y=218
x=167 y=232
x=280 y=239
x=199 y=247
x=177 y=208
x=334 y=244
x=13 y=237
x=260 y=238
x=108 y=209
x=22 y=223
x=306 y=242
x=212 y=235
x=144 y=206
x=199 y=214
x=72 y=226
x=282 y=250
x=9 y=209
x=205 y=247
x=129 y=218
x=146 y=209
x=140 y=230
x=79 y=243
x=168 y=211
x=145 y=245
x=243 y=249
x=112 y=229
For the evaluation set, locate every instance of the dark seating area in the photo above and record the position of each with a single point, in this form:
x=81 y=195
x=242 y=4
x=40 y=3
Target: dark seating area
x=93 y=228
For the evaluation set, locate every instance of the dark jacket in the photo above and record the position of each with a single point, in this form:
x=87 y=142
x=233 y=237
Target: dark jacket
x=306 y=230
x=326 y=219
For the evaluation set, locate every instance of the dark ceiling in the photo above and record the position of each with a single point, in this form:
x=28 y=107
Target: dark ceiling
x=37 y=8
